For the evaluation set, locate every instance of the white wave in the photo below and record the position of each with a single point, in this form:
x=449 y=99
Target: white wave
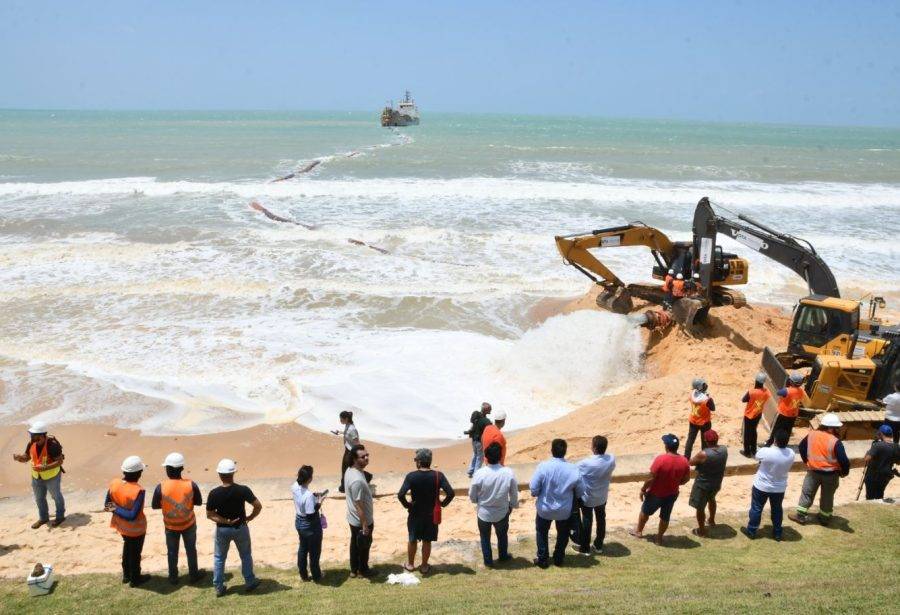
x=602 y=190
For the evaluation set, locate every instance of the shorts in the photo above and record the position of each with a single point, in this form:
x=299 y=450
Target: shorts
x=652 y=503
x=421 y=528
x=701 y=496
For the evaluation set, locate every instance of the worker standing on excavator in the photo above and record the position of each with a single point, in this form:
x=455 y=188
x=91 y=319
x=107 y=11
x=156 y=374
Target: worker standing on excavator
x=756 y=399
x=792 y=398
x=678 y=287
x=700 y=418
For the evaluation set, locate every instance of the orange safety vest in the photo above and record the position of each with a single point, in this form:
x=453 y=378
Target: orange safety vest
x=820 y=453
x=678 y=288
x=756 y=403
x=123 y=494
x=667 y=283
x=177 y=504
x=700 y=414
x=493 y=434
x=789 y=405
x=40 y=459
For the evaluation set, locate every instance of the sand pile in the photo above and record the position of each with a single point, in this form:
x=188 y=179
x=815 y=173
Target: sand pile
x=726 y=352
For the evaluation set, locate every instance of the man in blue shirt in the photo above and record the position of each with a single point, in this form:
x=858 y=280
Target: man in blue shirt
x=554 y=484
x=596 y=472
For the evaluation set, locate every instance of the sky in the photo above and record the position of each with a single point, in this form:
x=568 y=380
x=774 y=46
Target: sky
x=831 y=63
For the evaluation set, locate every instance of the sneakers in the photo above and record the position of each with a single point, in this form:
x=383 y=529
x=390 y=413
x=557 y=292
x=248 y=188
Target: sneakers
x=197 y=576
x=140 y=580
x=38 y=524
x=220 y=591
x=540 y=563
x=504 y=558
x=57 y=522
x=746 y=532
x=251 y=587
x=826 y=521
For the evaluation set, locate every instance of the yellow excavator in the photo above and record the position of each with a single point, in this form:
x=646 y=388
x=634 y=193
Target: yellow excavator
x=680 y=257
x=852 y=362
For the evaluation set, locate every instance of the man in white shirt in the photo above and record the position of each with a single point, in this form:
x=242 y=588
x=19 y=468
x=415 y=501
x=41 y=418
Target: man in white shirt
x=596 y=473
x=892 y=412
x=770 y=484
x=495 y=490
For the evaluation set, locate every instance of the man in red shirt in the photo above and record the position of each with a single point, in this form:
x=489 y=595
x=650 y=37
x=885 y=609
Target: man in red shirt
x=667 y=473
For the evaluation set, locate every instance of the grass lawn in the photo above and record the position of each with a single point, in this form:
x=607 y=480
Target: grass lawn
x=849 y=568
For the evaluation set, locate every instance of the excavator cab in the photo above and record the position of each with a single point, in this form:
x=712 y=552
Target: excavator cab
x=823 y=326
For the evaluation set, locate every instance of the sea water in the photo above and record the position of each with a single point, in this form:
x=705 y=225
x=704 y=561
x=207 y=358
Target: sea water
x=138 y=288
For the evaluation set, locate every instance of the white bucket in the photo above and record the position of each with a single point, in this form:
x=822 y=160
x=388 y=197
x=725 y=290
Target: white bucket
x=41 y=585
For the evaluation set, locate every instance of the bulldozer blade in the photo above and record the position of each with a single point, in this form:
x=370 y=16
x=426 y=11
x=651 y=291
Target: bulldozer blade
x=685 y=311
x=616 y=299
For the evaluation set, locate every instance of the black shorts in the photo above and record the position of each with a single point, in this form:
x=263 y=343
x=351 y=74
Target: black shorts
x=664 y=505
x=421 y=528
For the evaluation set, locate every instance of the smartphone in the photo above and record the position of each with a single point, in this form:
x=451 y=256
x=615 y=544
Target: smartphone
x=323 y=494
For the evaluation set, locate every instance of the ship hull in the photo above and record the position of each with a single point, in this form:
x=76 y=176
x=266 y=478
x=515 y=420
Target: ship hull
x=399 y=120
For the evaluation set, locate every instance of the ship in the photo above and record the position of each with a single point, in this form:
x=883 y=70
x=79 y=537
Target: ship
x=406 y=113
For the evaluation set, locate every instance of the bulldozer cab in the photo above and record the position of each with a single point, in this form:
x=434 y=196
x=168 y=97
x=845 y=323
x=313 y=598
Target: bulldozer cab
x=824 y=326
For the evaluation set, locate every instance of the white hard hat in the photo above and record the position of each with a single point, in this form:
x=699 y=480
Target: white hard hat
x=175 y=460
x=696 y=276
x=226 y=466
x=671 y=272
x=679 y=277
x=133 y=464
x=830 y=419
x=38 y=427
x=498 y=415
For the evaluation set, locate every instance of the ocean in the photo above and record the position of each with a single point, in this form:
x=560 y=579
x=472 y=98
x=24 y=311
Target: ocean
x=139 y=289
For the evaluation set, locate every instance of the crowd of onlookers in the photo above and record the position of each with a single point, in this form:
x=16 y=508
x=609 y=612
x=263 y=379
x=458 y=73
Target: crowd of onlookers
x=571 y=497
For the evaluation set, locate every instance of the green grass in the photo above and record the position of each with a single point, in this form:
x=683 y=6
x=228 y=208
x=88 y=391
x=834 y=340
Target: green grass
x=848 y=568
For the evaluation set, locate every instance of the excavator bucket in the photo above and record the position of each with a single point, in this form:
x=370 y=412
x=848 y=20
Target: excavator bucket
x=687 y=311
x=616 y=299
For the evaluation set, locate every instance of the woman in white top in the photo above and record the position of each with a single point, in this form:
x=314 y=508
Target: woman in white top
x=351 y=438
x=770 y=484
x=308 y=523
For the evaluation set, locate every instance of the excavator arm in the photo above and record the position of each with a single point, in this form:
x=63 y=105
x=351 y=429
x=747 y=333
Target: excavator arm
x=616 y=296
x=575 y=248
x=796 y=254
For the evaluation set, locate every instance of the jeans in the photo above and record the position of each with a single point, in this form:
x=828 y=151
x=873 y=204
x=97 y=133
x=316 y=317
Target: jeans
x=477 y=456
x=309 y=531
x=40 y=487
x=692 y=435
x=173 y=537
x=782 y=422
x=828 y=481
x=359 y=549
x=587 y=520
x=758 y=502
x=750 y=435
x=132 y=547
x=501 y=528
x=240 y=536
x=542 y=538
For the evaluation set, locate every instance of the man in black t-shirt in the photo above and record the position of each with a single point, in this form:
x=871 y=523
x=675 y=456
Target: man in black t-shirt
x=425 y=485
x=225 y=506
x=880 y=462
x=479 y=420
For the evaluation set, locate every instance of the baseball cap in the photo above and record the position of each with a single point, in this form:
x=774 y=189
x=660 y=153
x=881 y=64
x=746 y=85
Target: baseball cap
x=670 y=440
x=711 y=435
x=886 y=430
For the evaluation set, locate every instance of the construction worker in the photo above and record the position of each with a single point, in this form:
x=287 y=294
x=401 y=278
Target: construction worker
x=792 y=398
x=125 y=500
x=493 y=433
x=177 y=497
x=880 y=460
x=46 y=457
x=225 y=507
x=678 y=287
x=695 y=287
x=826 y=461
x=667 y=281
x=700 y=418
x=755 y=400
